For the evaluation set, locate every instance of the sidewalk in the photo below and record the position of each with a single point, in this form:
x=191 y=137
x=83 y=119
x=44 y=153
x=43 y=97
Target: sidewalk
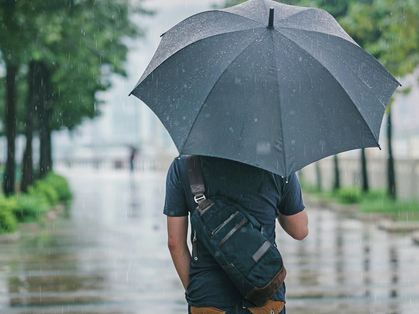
x=111 y=256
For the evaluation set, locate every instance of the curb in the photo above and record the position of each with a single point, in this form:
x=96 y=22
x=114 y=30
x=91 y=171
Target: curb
x=33 y=227
x=397 y=226
x=384 y=222
x=9 y=237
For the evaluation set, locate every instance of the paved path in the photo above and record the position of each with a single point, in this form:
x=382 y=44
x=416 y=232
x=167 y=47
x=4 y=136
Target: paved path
x=109 y=256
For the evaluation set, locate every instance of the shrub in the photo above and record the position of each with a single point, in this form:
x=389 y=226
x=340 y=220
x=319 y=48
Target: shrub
x=30 y=207
x=7 y=220
x=42 y=188
x=60 y=185
x=349 y=195
x=376 y=195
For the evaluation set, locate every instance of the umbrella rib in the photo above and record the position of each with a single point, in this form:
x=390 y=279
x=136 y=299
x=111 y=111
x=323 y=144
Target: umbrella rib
x=318 y=32
x=245 y=17
x=305 y=51
x=212 y=88
x=338 y=38
x=297 y=13
x=349 y=38
x=280 y=111
x=176 y=52
x=266 y=7
x=311 y=9
x=262 y=23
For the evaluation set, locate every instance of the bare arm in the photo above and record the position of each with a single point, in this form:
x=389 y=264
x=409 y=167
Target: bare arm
x=295 y=225
x=177 y=230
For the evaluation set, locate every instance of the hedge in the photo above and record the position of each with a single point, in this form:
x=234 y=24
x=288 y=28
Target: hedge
x=26 y=207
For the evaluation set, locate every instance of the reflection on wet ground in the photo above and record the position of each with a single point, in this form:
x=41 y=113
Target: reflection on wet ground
x=109 y=256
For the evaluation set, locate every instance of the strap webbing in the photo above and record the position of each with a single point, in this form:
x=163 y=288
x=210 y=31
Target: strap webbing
x=196 y=182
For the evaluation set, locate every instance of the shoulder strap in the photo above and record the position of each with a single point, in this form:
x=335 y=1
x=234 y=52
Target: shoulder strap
x=196 y=181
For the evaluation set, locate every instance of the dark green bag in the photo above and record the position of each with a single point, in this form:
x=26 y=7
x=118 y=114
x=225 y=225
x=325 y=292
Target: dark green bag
x=236 y=240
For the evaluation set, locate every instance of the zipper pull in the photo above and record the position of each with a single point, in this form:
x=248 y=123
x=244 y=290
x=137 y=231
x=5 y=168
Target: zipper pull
x=194 y=247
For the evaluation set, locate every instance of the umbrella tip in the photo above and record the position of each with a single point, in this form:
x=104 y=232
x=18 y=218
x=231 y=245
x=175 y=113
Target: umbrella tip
x=271 y=18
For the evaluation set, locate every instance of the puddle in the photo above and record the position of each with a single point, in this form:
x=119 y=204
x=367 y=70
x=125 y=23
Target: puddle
x=110 y=256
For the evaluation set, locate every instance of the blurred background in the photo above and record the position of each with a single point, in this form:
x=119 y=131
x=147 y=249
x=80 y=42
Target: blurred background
x=83 y=168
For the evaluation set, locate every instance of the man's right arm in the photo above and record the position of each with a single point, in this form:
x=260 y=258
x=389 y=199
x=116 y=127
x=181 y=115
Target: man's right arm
x=177 y=230
x=291 y=213
x=295 y=225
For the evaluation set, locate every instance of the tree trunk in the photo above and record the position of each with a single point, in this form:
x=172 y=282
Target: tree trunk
x=391 y=175
x=336 y=185
x=11 y=127
x=45 y=145
x=45 y=113
x=319 y=177
x=33 y=101
x=364 y=172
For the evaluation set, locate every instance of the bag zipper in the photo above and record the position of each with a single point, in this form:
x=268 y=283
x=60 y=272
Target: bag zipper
x=194 y=247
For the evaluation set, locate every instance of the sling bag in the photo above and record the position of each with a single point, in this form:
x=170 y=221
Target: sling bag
x=236 y=240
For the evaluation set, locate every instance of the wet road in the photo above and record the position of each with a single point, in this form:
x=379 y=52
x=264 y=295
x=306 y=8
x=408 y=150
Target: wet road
x=109 y=255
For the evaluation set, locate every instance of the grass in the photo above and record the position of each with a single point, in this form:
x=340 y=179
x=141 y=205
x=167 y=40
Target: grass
x=375 y=201
x=402 y=210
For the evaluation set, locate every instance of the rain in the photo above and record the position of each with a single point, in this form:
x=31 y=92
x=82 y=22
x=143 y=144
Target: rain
x=101 y=100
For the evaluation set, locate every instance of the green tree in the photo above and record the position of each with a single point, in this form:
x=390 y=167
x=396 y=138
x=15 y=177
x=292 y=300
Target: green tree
x=81 y=49
x=318 y=177
x=8 y=44
x=34 y=95
x=71 y=48
x=336 y=183
x=364 y=174
x=388 y=30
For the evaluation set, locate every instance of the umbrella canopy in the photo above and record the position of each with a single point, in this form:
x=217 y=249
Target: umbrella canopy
x=267 y=84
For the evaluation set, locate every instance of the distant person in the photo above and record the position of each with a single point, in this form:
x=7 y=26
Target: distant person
x=133 y=155
x=267 y=197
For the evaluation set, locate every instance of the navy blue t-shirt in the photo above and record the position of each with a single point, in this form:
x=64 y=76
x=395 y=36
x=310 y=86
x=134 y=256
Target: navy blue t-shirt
x=262 y=193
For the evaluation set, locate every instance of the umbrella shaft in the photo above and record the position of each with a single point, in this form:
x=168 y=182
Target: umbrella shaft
x=271 y=18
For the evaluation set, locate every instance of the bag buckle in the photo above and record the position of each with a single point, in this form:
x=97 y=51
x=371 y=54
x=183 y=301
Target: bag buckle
x=199 y=198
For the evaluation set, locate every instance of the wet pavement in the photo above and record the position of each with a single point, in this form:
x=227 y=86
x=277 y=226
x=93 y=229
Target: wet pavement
x=108 y=254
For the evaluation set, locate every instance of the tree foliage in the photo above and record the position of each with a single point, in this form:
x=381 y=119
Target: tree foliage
x=78 y=44
x=82 y=43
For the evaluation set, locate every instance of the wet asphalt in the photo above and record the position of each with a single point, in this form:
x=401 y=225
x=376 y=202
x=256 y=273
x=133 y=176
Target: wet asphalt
x=108 y=254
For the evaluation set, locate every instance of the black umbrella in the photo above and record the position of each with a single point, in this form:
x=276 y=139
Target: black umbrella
x=268 y=84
